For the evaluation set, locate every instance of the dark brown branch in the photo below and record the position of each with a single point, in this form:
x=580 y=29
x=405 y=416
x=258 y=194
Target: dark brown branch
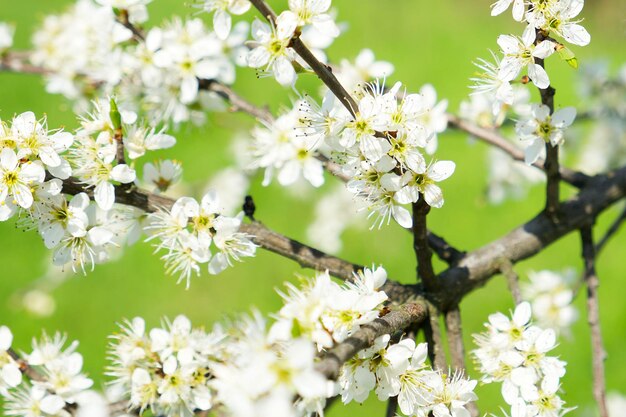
x=617 y=223
x=443 y=249
x=506 y=268
x=393 y=322
x=593 y=318
x=492 y=137
x=306 y=256
x=423 y=254
x=432 y=331
x=552 y=152
x=392 y=407
x=479 y=265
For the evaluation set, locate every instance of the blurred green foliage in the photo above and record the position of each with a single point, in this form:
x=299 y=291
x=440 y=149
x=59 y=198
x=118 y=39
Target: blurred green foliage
x=428 y=42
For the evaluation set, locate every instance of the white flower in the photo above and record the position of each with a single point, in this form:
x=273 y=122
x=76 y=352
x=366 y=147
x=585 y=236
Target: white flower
x=59 y=218
x=501 y=5
x=34 y=401
x=551 y=295
x=10 y=374
x=139 y=140
x=488 y=82
x=271 y=47
x=424 y=184
x=6 y=36
x=450 y=395
x=434 y=119
x=34 y=141
x=520 y=52
x=17 y=179
x=313 y=12
x=364 y=69
x=222 y=21
x=543 y=128
x=162 y=174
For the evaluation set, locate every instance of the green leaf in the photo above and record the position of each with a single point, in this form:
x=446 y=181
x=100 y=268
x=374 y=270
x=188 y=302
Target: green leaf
x=114 y=114
x=568 y=56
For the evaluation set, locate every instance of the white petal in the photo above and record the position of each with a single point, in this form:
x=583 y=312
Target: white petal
x=532 y=152
x=433 y=195
x=564 y=117
x=104 y=194
x=402 y=216
x=576 y=34
x=222 y=24
x=283 y=71
x=123 y=173
x=538 y=75
x=441 y=170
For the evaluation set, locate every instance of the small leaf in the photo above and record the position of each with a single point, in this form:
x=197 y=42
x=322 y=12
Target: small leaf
x=567 y=55
x=114 y=114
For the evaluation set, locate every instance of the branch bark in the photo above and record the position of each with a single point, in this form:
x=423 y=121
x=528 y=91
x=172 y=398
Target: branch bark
x=593 y=318
x=394 y=321
x=479 y=265
x=423 y=254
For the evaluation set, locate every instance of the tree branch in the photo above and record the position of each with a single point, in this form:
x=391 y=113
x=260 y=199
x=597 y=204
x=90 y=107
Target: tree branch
x=492 y=137
x=306 y=256
x=392 y=407
x=26 y=369
x=552 y=152
x=323 y=71
x=593 y=318
x=479 y=265
x=394 y=321
x=432 y=332
x=423 y=254
x=506 y=268
x=611 y=231
x=454 y=333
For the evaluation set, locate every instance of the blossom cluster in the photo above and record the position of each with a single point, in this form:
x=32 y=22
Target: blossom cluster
x=187 y=231
x=47 y=177
x=326 y=312
x=381 y=148
x=271 y=45
x=544 y=19
x=400 y=370
x=515 y=353
x=55 y=379
x=89 y=52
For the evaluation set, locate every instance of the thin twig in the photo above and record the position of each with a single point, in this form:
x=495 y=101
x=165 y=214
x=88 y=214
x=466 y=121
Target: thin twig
x=323 y=71
x=492 y=137
x=454 y=334
x=237 y=102
x=593 y=318
x=611 y=231
x=512 y=279
x=26 y=369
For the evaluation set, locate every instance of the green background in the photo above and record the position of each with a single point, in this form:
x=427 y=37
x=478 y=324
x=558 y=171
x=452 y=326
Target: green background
x=428 y=42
